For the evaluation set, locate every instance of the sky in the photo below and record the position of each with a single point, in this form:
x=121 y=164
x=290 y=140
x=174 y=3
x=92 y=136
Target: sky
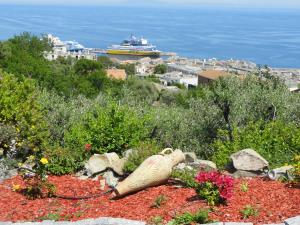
x=245 y=3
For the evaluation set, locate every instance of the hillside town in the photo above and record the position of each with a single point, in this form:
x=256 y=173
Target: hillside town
x=186 y=71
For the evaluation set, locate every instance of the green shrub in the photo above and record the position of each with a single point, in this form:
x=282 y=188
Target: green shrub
x=276 y=141
x=160 y=69
x=156 y=220
x=139 y=154
x=249 y=211
x=186 y=176
x=65 y=161
x=159 y=201
x=187 y=218
x=21 y=112
x=108 y=129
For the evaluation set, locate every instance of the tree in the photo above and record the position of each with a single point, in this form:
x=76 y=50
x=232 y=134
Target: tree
x=86 y=66
x=160 y=69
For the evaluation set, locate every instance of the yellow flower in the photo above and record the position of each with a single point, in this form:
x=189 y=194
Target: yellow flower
x=32 y=127
x=44 y=161
x=20 y=164
x=16 y=187
x=5 y=145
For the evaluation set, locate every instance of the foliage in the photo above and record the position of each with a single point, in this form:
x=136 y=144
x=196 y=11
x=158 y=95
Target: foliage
x=64 y=161
x=142 y=91
x=21 y=114
x=153 y=78
x=244 y=186
x=159 y=201
x=186 y=176
x=187 y=218
x=276 y=141
x=129 y=68
x=160 y=69
x=139 y=154
x=249 y=211
x=156 y=220
x=85 y=66
x=37 y=185
x=113 y=128
x=214 y=187
x=62 y=113
x=295 y=172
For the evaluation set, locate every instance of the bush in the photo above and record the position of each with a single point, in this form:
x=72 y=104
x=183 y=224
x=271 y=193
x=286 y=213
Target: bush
x=160 y=69
x=22 y=114
x=108 y=129
x=65 y=161
x=276 y=141
x=139 y=154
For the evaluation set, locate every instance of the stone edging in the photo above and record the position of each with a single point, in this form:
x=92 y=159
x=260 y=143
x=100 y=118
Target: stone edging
x=116 y=221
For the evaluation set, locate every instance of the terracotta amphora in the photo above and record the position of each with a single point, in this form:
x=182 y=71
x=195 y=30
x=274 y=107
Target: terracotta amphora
x=154 y=171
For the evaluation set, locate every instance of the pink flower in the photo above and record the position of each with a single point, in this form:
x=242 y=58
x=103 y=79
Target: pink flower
x=223 y=182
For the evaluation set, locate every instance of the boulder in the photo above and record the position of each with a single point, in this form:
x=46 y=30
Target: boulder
x=190 y=157
x=203 y=165
x=248 y=160
x=98 y=163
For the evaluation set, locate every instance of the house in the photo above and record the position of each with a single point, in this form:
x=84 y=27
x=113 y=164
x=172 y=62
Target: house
x=118 y=74
x=207 y=76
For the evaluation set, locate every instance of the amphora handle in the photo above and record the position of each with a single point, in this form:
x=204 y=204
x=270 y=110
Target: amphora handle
x=163 y=152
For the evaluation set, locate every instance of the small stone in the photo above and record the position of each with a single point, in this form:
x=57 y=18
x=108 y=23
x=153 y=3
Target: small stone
x=203 y=165
x=190 y=157
x=102 y=184
x=293 y=221
x=110 y=179
x=248 y=160
x=278 y=173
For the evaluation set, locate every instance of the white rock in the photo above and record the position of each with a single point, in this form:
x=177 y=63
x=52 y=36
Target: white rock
x=98 y=163
x=110 y=179
x=249 y=160
x=203 y=165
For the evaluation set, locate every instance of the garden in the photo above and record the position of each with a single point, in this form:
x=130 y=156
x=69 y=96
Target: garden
x=56 y=116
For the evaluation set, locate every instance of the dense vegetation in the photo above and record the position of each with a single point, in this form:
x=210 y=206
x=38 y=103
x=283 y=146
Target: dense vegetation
x=56 y=107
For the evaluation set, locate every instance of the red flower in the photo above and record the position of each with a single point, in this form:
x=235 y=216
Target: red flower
x=223 y=182
x=88 y=147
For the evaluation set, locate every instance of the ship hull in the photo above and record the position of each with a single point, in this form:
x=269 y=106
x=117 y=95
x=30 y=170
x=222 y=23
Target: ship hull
x=132 y=52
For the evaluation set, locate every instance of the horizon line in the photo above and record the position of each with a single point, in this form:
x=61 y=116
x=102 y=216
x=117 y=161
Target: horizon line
x=206 y=5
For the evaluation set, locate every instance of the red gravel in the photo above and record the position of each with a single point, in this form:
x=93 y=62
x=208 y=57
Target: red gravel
x=274 y=201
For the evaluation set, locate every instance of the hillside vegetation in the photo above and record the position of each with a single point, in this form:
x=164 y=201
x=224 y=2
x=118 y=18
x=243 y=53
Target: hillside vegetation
x=55 y=108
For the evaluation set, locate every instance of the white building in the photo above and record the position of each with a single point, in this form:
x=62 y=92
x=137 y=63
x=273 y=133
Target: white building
x=68 y=49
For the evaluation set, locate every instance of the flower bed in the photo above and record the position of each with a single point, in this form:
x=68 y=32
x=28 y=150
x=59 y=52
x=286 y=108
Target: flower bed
x=274 y=201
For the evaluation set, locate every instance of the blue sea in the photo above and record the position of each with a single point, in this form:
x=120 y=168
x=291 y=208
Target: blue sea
x=264 y=36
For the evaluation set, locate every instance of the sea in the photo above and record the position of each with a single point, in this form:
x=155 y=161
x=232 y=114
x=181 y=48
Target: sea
x=264 y=36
